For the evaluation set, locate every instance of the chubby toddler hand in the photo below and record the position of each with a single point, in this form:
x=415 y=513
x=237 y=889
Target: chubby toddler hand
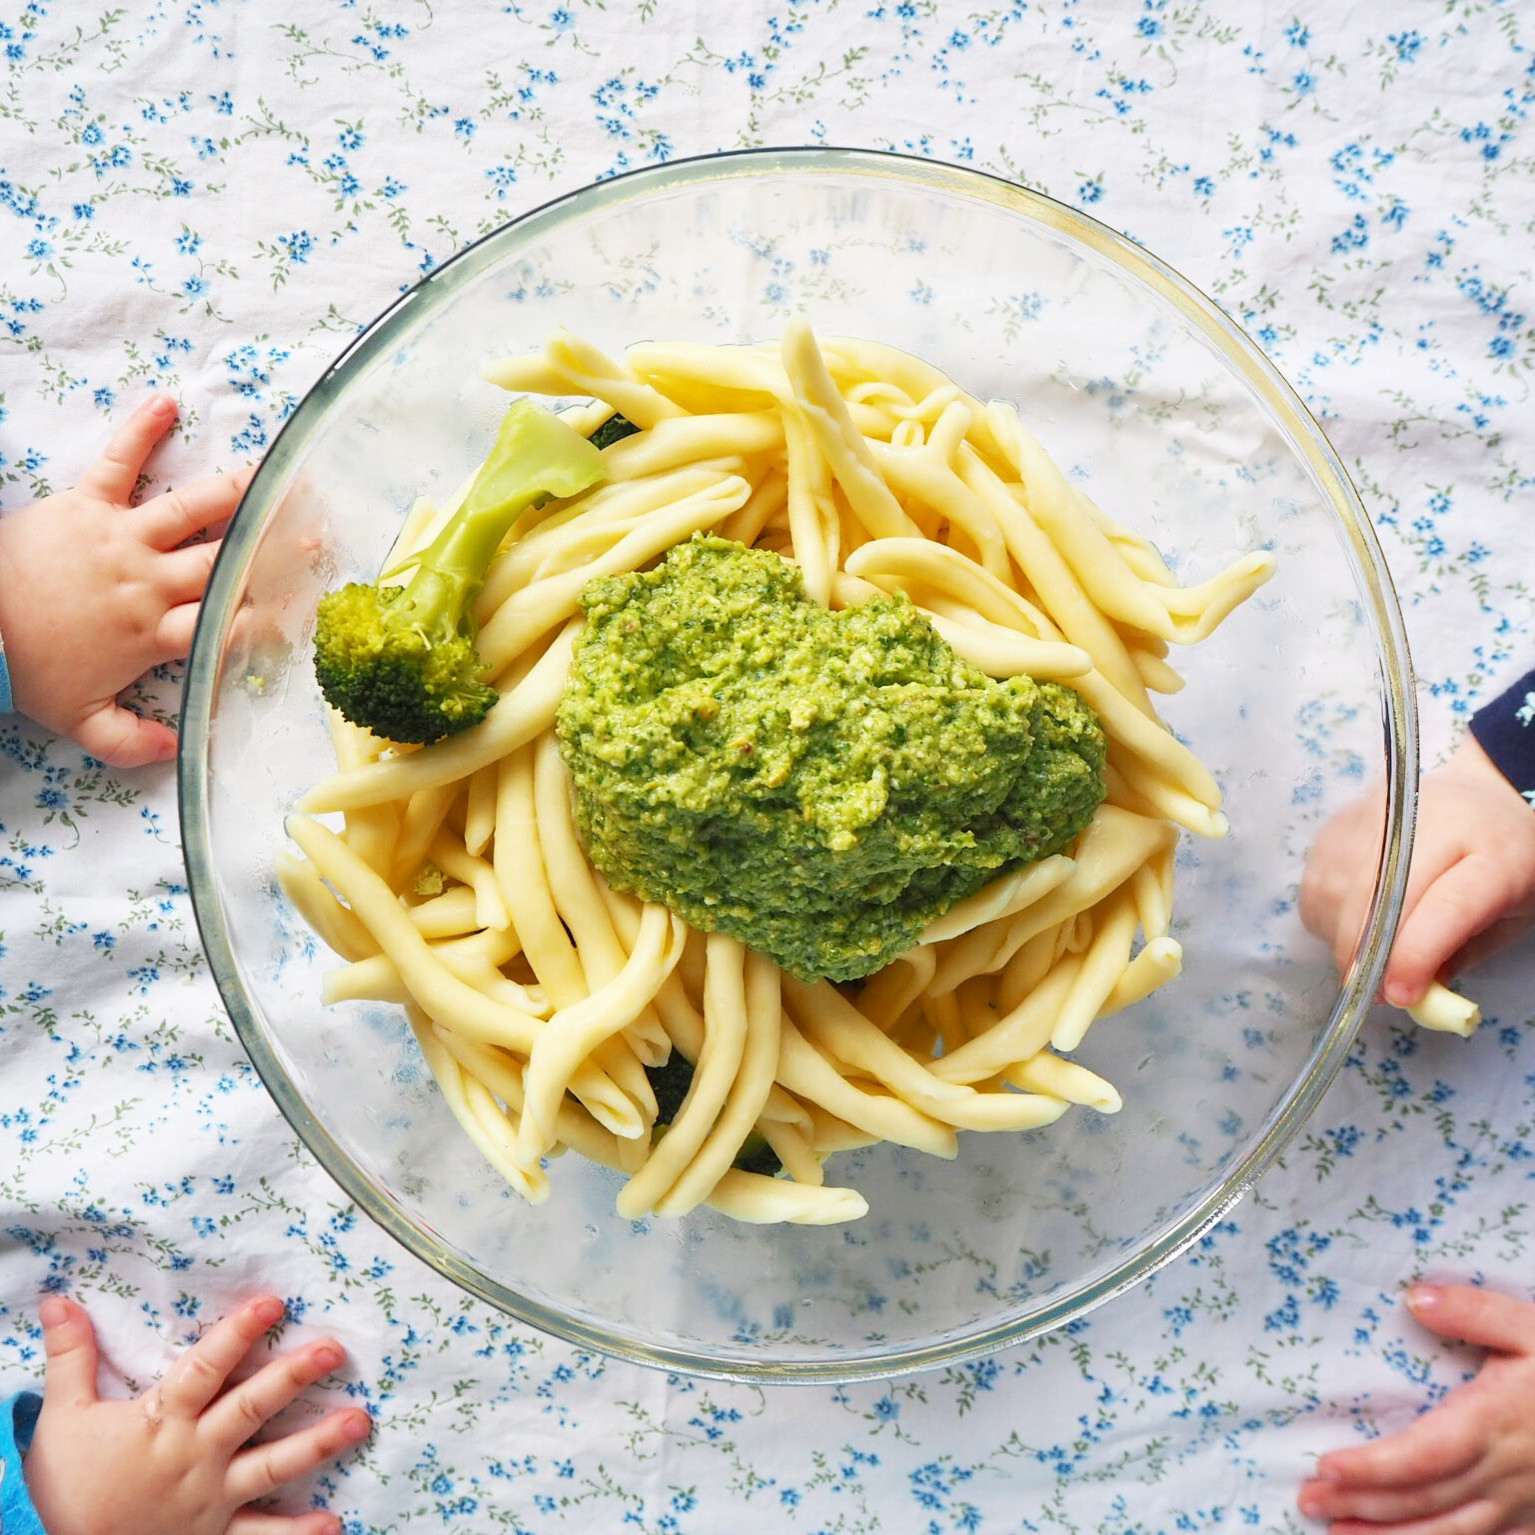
x=178 y=1458
x=95 y=591
x=1467 y=1466
x=1471 y=887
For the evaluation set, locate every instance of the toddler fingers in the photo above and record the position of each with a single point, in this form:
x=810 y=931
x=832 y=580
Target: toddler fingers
x=1353 y=913
x=182 y=574
x=199 y=1375
x=250 y=1406
x=1388 y=1505
x=1483 y=1317
x=121 y=738
x=115 y=473
x=260 y=1471
x=1483 y=1517
x=1498 y=935
x=1454 y=908
x=251 y=1522
x=69 y=1341
x=1432 y=855
x=173 y=518
x=1439 y=1445
x=173 y=635
x=1336 y=885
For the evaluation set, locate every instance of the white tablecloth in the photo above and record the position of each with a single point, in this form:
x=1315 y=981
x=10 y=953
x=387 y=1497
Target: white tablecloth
x=204 y=197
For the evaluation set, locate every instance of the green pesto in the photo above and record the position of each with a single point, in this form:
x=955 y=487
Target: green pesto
x=820 y=785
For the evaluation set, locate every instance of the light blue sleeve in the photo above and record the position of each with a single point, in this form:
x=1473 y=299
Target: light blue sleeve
x=18 y=1417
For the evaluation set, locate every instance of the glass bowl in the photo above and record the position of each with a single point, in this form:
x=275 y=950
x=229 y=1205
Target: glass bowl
x=1150 y=398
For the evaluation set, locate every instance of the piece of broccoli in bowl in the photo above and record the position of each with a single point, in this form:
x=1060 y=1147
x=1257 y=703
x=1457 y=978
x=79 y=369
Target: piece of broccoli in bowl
x=401 y=660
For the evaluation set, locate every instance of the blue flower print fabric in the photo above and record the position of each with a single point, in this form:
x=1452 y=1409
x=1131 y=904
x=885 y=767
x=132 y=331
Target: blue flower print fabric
x=211 y=197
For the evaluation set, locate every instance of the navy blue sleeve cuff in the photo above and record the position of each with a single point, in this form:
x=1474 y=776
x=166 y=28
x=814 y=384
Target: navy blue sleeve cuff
x=18 y=1417
x=1505 y=730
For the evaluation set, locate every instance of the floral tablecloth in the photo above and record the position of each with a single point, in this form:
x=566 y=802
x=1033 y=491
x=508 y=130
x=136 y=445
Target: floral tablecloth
x=211 y=196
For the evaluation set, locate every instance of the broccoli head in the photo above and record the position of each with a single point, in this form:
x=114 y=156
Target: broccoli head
x=614 y=429
x=670 y=1082
x=400 y=660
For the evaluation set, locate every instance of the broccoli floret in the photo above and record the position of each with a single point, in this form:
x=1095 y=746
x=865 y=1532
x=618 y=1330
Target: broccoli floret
x=670 y=1082
x=614 y=429
x=401 y=660
x=756 y=1156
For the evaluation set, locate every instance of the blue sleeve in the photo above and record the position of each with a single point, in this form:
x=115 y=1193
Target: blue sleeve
x=18 y=1417
x=1505 y=730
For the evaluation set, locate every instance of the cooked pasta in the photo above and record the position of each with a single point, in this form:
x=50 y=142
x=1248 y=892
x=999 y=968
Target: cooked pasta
x=546 y=1002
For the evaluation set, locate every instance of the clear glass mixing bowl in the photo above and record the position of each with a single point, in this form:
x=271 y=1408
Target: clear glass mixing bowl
x=1174 y=421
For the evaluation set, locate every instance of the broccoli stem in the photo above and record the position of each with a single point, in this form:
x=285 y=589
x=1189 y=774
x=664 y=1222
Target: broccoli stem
x=452 y=567
x=535 y=455
x=401 y=660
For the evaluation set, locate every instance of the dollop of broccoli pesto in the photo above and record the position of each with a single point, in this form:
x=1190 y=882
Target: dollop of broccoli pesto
x=819 y=785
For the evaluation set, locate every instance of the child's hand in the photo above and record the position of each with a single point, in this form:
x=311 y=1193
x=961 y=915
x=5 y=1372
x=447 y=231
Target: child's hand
x=177 y=1458
x=1467 y=1467
x=1471 y=888
x=94 y=592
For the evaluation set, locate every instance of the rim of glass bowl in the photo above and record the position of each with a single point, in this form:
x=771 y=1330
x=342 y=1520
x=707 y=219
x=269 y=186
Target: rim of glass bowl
x=1241 y=355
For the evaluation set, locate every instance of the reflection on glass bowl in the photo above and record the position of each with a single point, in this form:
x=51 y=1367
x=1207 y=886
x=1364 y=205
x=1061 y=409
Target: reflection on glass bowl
x=1173 y=421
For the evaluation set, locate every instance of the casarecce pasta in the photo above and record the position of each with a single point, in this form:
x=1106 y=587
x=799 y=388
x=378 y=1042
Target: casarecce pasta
x=540 y=995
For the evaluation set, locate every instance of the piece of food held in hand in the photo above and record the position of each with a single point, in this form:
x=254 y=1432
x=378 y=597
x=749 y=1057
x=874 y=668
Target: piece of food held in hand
x=815 y=798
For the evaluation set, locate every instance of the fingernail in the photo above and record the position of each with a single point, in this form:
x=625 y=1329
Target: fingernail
x=54 y=1311
x=269 y=1310
x=360 y=1426
x=1422 y=1297
x=1398 y=995
x=1309 y=1506
x=328 y=1357
x=161 y=405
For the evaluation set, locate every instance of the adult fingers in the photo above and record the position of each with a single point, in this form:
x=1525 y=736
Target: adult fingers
x=1484 y=1317
x=115 y=473
x=182 y=574
x=1453 y=908
x=250 y=1521
x=1439 y=1445
x=173 y=518
x=121 y=738
x=199 y=1375
x=260 y=1471
x=69 y=1342
x=248 y=1407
